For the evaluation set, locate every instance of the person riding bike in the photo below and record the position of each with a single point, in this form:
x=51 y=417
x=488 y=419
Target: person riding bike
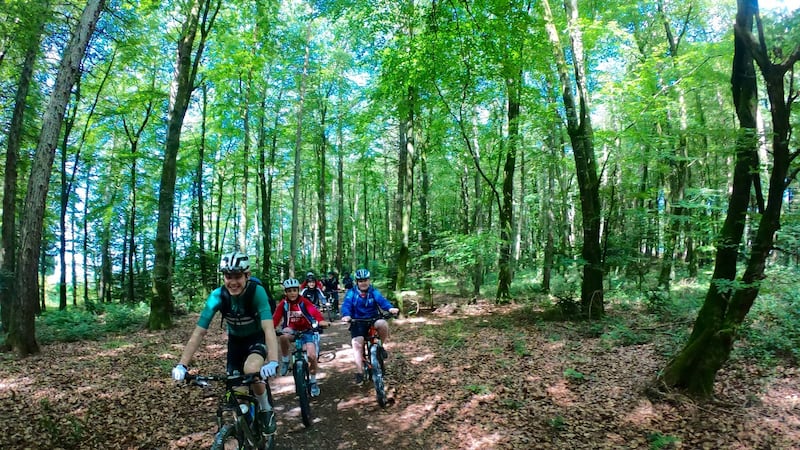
x=363 y=301
x=347 y=281
x=313 y=291
x=245 y=308
x=331 y=285
x=297 y=313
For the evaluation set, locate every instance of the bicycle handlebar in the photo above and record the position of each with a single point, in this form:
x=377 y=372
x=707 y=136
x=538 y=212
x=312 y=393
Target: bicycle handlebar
x=384 y=315
x=232 y=380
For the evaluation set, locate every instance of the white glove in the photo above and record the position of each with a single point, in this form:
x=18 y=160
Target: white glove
x=268 y=369
x=179 y=372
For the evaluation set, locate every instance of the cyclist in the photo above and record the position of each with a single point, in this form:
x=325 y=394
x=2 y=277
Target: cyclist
x=331 y=285
x=364 y=302
x=348 y=282
x=297 y=313
x=312 y=290
x=244 y=306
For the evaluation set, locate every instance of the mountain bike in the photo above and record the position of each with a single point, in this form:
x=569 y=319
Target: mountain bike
x=331 y=307
x=301 y=374
x=374 y=356
x=238 y=426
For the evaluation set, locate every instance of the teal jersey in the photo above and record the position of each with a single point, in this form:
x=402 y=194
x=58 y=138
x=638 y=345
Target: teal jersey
x=260 y=302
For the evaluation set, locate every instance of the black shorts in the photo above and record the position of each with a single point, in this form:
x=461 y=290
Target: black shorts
x=240 y=347
x=359 y=329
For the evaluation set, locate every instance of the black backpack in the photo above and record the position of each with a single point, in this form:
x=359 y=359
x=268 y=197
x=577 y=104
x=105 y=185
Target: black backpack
x=250 y=311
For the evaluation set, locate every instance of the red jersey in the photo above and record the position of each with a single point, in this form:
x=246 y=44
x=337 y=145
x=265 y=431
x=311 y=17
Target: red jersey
x=296 y=319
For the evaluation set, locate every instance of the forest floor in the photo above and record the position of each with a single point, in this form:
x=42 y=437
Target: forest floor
x=464 y=377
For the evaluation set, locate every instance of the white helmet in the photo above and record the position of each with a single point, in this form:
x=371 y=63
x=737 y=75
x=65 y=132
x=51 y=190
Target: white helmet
x=234 y=262
x=291 y=283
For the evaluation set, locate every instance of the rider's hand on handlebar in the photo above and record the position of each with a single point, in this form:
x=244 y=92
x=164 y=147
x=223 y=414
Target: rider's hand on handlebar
x=394 y=311
x=345 y=319
x=324 y=324
x=269 y=369
x=179 y=372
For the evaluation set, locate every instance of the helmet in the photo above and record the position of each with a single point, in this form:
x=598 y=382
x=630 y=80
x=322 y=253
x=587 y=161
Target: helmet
x=234 y=262
x=291 y=283
x=310 y=276
x=362 y=274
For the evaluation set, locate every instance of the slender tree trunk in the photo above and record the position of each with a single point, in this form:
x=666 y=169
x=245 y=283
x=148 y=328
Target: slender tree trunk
x=181 y=92
x=579 y=128
x=513 y=83
x=22 y=334
x=405 y=171
x=322 y=149
x=298 y=143
x=8 y=255
x=340 y=196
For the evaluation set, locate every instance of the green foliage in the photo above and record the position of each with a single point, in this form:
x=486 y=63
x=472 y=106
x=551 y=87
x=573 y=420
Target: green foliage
x=557 y=423
x=478 y=389
x=78 y=324
x=619 y=333
x=660 y=441
x=573 y=375
x=771 y=331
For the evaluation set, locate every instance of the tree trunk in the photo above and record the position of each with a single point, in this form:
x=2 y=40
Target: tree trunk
x=504 y=277
x=22 y=333
x=405 y=177
x=298 y=143
x=180 y=94
x=8 y=255
x=726 y=305
x=579 y=128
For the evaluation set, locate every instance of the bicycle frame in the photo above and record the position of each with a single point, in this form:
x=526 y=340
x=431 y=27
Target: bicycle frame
x=236 y=409
x=373 y=354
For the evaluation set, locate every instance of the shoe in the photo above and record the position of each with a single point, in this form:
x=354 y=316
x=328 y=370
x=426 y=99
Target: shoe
x=314 y=390
x=267 y=420
x=284 y=368
x=359 y=379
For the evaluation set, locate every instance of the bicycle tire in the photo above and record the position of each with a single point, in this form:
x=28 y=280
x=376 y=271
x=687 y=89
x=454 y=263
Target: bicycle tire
x=227 y=438
x=331 y=313
x=303 y=390
x=377 y=374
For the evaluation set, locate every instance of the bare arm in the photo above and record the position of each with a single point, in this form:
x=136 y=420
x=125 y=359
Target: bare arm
x=272 y=341
x=194 y=343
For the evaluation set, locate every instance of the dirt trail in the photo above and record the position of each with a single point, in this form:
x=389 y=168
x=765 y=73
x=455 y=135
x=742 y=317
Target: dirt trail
x=345 y=415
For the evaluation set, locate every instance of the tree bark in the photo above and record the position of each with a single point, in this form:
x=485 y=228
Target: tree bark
x=180 y=94
x=22 y=333
x=298 y=143
x=727 y=303
x=8 y=255
x=579 y=129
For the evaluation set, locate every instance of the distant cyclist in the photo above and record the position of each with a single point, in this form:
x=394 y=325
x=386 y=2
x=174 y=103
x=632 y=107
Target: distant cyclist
x=364 y=302
x=297 y=313
x=313 y=290
x=332 y=289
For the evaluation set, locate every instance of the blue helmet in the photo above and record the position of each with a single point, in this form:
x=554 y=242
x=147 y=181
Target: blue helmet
x=362 y=274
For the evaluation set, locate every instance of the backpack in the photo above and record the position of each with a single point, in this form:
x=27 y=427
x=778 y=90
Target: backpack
x=247 y=297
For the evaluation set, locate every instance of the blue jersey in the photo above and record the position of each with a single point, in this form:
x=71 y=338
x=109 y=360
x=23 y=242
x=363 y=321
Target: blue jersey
x=364 y=305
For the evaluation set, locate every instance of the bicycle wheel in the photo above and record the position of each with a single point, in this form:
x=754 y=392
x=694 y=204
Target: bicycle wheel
x=331 y=312
x=377 y=374
x=300 y=372
x=227 y=438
